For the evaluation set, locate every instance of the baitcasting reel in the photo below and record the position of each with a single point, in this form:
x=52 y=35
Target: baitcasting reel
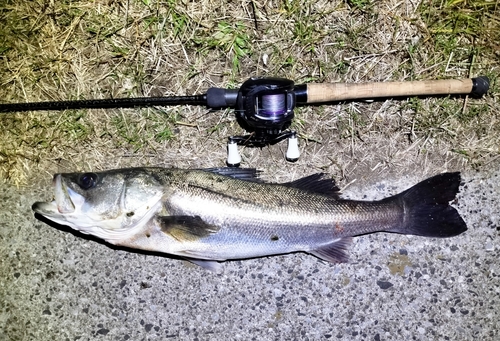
x=264 y=106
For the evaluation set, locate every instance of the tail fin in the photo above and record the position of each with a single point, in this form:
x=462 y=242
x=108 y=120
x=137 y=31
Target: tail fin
x=427 y=209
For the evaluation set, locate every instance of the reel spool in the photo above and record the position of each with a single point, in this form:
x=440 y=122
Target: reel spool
x=264 y=107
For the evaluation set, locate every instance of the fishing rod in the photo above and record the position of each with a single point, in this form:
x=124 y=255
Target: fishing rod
x=264 y=106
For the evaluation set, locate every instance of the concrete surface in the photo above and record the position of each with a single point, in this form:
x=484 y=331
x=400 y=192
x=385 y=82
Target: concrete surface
x=58 y=285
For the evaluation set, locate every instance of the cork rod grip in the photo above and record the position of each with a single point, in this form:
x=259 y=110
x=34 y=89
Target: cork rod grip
x=330 y=92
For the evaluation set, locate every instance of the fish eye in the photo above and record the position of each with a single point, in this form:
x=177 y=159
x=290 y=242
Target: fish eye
x=87 y=180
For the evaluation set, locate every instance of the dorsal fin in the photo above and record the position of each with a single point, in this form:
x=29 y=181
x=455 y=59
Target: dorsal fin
x=247 y=174
x=316 y=183
x=186 y=228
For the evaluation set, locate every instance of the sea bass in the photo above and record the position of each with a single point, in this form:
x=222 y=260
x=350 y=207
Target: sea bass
x=208 y=216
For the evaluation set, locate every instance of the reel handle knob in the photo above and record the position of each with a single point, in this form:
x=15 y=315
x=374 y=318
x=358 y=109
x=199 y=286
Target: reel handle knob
x=233 y=155
x=293 y=152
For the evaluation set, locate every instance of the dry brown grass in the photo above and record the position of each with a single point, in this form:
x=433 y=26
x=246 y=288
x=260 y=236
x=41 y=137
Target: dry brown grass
x=56 y=50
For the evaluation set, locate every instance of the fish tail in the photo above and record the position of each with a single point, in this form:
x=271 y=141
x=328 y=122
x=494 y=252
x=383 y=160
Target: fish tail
x=427 y=213
x=427 y=209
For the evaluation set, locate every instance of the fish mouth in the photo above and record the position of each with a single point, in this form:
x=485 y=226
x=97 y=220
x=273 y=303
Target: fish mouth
x=63 y=203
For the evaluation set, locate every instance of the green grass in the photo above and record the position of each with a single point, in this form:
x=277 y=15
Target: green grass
x=460 y=31
x=142 y=129
x=231 y=39
x=30 y=138
x=74 y=50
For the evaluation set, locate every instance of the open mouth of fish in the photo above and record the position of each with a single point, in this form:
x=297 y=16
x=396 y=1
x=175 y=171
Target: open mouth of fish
x=71 y=209
x=65 y=200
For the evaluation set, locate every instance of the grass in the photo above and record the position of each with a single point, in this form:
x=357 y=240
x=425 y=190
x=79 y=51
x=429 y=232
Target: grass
x=73 y=50
x=462 y=31
x=230 y=39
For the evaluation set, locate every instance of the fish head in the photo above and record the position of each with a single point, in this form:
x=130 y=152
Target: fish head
x=110 y=205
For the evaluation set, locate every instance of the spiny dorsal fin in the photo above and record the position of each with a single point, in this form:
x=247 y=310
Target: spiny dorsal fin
x=186 y=228
x=316 y=183
x=247 y=174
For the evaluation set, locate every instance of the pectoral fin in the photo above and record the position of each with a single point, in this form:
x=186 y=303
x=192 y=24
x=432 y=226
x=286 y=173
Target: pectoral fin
x=186 y=228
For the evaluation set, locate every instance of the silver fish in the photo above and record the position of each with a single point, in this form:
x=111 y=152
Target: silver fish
x=207 y=216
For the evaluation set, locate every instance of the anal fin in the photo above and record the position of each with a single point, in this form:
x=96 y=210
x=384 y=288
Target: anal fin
x=334 y=252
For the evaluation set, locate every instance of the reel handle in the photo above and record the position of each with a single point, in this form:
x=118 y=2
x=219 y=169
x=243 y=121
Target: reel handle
x=333 y=92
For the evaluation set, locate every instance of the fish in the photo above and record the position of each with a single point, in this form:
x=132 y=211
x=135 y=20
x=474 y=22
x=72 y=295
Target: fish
x=208 y=216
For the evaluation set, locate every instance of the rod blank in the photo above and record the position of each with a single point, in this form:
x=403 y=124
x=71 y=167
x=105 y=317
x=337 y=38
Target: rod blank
x=105 y=103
